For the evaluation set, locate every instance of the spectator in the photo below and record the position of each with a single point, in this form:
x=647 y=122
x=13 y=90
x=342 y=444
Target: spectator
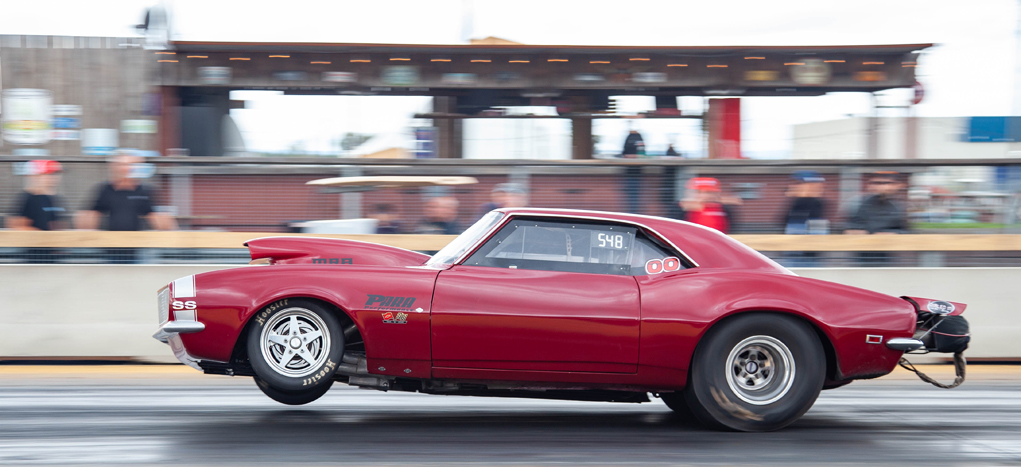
x=634 y=147
x=505 y=195
x=805 y=214
x=440 y=217
x=879 y=213
x=805 y=211
x=704 y=205
x=386 y=215
x=38 y=206
x=668 y=181
x=121 y=204
x=514 y=195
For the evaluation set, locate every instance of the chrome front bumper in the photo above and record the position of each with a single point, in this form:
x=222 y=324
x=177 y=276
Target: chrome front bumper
x=177 y=327
x=170 y=334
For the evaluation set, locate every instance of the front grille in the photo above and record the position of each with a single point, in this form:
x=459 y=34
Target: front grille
x=163 y=304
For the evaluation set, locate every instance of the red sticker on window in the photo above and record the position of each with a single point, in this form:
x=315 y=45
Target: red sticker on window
x=671 y=263
x=654 y=266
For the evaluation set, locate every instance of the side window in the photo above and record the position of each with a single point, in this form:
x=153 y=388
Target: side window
x=558 y=246
x=649 y=257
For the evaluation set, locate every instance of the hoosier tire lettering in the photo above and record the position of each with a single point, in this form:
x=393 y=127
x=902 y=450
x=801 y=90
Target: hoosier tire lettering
x=261 y=317
x=327 y=369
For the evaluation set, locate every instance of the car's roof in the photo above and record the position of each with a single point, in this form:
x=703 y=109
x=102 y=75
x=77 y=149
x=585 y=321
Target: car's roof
x=707 y=247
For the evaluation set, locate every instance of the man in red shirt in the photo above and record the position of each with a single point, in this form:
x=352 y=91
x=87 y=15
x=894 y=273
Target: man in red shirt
x=703 y=204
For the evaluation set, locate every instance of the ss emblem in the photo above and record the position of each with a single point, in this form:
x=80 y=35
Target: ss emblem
x=179 y=305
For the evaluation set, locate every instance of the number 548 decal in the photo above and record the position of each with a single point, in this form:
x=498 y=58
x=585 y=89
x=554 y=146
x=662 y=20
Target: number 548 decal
x=656 y=266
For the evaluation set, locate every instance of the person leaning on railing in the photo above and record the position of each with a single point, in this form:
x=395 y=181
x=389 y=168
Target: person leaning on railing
x=805 y=215
x=125 y=202
x=38 y=206
x=879 y=213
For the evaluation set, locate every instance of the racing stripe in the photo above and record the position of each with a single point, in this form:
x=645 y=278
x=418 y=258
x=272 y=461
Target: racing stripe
x=184 y=287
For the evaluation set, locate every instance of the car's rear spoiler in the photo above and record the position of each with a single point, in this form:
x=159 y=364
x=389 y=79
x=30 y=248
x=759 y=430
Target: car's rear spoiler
x=330 y=251
x=940 y=307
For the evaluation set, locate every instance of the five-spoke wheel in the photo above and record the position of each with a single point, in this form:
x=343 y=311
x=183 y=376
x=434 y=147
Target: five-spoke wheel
x=294 y=346
x=293 y=342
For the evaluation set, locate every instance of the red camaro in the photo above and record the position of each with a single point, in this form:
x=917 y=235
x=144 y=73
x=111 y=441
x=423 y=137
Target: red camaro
x=544 y=303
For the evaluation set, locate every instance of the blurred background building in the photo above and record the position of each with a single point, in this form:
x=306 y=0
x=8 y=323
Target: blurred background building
x=234 y=116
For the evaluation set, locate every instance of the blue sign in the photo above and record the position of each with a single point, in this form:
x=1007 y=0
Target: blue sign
x=425 y=142
x=67 y=122
x=993 y=130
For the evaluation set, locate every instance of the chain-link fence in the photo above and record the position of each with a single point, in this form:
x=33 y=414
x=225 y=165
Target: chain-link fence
x=271 y=196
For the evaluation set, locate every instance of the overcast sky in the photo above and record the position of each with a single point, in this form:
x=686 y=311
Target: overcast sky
x=970 y=72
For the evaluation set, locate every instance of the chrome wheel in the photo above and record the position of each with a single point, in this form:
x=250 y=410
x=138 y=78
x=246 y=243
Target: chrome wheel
x=295 y=342
x=760 y=370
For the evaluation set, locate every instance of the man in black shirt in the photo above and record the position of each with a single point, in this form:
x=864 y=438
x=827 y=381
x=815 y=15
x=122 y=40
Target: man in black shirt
x=879 y=214
x=634 y=147
x=440 y=217
x=122 y=203
x=806 y=204
x=38 y=207
x=805 y=214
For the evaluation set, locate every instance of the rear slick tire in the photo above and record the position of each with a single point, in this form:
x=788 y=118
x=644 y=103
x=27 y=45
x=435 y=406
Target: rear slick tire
x=756 y=372
x=676 y=402
x=292 y=397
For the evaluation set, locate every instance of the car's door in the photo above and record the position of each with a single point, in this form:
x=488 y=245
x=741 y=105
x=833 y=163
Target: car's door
x=541 y=295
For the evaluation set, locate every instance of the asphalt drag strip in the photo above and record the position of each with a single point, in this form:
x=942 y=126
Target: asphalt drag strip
x=172 y=415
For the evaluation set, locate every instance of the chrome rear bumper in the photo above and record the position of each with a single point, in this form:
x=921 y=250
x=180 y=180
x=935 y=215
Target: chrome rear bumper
x=905 y=344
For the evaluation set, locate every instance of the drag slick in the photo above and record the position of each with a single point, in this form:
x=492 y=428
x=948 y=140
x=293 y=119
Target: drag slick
x=554 y=304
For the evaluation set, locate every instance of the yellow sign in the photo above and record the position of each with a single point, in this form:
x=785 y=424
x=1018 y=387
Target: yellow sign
x=870 y=76
x=761 y=75
x=26 y=125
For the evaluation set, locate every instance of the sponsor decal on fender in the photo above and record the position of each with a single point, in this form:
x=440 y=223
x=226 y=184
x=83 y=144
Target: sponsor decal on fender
x=333 y=261
x=668 y=264
x=399 y=318
x=385 y=302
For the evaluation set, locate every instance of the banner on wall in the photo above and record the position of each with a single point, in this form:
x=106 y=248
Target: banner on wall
x=26 y=117
x=99 y=141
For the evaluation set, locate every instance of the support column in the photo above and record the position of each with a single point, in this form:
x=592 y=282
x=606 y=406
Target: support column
x=169 y=122
x=581 y=138
x=351 y=202
x=725 y=128
x=911 y=134
x=872 y=132
x=449 y=137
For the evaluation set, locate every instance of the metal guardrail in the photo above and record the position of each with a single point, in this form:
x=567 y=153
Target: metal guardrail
x=236 y=240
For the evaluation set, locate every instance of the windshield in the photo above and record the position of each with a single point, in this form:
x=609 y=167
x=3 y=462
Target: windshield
x=450 y=253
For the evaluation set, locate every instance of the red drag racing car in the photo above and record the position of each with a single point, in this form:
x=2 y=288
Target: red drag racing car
x=544 y=303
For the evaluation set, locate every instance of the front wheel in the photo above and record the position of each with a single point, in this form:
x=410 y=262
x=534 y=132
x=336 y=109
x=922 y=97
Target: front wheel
x=294 y=345
x=757 y=372
x=295 y=397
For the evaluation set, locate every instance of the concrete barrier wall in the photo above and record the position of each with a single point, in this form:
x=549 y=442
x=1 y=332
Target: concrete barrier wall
x=81 y=311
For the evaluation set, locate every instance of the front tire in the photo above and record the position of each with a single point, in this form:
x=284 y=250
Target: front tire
x=757 y=372
x=294 y=345
x=292 y=398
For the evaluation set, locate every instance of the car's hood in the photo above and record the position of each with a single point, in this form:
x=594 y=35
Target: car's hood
x=330 y=251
